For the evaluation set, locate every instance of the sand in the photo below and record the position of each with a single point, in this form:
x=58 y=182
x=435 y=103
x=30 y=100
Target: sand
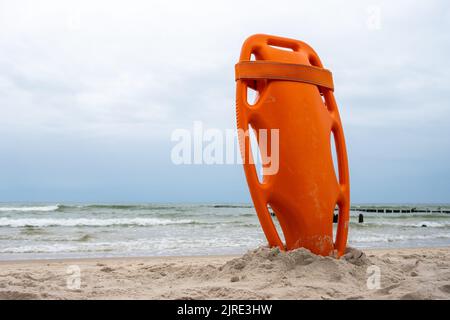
x=259 y=274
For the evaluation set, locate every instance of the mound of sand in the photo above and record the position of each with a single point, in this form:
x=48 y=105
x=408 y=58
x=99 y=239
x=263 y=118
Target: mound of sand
x=271 y=270
x=264 y=258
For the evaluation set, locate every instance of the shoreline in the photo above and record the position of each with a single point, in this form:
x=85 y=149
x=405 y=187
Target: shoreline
x=262 y=273
x=112 y=259
x=189 y=257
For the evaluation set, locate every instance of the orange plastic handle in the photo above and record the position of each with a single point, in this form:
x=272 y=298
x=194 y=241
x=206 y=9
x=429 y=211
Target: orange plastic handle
x=259 y=113
x=260 y=193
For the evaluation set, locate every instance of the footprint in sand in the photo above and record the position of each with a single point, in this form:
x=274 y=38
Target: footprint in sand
x=445 y=288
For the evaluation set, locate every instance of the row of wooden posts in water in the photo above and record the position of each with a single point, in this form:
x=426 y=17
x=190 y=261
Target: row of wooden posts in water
x=392 y=210
x=389 y=210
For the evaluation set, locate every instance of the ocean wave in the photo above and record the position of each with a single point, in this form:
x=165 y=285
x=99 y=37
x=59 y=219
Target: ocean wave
x=119 y=206
x=393 y=238
x=32 y=222
x=46 y=208
x=231 y=206
x=161 y=246
x=410 y=224
x=56 y=248
x=401 y=216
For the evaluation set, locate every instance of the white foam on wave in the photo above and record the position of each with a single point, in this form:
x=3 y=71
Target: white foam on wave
x=48 y=222
x=393 y=238
x=31 y=208
x=153 y=246
x=416 y=224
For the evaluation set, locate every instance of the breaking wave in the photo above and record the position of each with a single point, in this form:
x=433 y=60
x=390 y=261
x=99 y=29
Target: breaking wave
x=31 y=208
x=31 y=222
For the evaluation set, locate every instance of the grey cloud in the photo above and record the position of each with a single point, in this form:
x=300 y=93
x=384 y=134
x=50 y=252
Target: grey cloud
x=106 y=71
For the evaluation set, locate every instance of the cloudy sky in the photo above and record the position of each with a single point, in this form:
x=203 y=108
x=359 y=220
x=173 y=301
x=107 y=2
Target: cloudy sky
x=90 y=92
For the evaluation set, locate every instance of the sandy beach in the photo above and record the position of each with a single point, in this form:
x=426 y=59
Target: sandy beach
x=259 y=274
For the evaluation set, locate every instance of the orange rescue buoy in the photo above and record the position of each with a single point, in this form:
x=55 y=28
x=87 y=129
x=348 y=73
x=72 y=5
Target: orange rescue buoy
x=295 y=96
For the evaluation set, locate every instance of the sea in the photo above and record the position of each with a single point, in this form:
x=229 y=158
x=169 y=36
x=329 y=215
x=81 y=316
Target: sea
x=55 y=230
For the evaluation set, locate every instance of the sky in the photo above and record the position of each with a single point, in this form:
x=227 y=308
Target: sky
x=91 y=91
